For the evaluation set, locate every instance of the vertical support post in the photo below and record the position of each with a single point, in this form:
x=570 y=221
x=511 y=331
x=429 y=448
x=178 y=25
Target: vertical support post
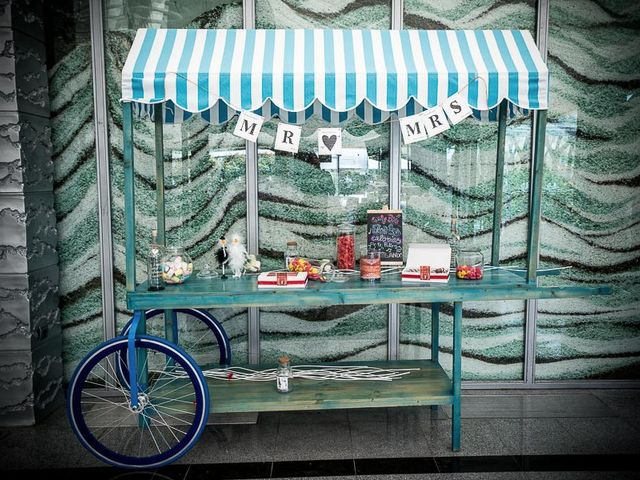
x=457 y=376
x=171 y=329
x=435 y=332
x=129 y=197
x=251 y=148
x=531 y=306
x=102 y=167
x=159 y=153
x=535 y=193
x=499 y=183
x=393 y=314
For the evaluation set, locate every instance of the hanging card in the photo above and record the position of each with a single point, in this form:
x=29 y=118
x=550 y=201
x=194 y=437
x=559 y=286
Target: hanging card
x=329 y=141
x=435 y=121
x=413 y=129
x=288 y=138
x=248 y=126
x=456 y=108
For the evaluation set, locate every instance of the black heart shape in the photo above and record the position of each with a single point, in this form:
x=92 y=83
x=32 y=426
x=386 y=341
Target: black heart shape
x=329 y=142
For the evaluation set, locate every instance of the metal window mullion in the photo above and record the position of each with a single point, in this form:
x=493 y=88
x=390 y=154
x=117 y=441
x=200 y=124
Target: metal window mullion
x=531 y=306
x=102 y=167
x=251 y=179
x=393 y=321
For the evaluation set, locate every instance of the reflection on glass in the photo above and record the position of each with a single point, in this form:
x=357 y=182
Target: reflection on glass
x=590 y=193
x=204 y=164
x=447 y=196
x=304 y=197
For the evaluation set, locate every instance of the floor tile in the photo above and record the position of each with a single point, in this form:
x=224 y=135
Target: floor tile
x=234 y=443
x=604 y=435
x=398 y=465
x=475 y=464
x=230 y=471
x=533 y=436
x=623 y=402
x=318 y=441
x=478 y=438
x=314 y=468
x=389 y=439
x=565 y=406
x=582 y=476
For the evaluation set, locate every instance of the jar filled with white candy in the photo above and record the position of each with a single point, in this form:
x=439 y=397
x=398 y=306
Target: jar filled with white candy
x=177 y=265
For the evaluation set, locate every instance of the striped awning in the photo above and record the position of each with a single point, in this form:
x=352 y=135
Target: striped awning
x=295 y=74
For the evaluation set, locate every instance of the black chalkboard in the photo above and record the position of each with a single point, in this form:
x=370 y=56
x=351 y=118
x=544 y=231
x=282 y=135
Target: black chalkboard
x=384 y=235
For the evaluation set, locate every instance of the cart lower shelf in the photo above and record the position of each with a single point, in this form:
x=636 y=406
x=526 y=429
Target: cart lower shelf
x=427 y=385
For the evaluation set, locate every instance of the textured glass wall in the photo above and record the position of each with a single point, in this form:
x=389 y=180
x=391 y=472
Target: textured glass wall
x=304 y=197
x=591 y=219
x=73 y=141
x=451 y=177
x=204 y=165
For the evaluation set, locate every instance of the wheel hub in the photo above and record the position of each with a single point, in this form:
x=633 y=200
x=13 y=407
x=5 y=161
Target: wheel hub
x=143 y=401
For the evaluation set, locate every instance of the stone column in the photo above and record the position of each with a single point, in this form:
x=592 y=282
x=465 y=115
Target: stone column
x=30 y=334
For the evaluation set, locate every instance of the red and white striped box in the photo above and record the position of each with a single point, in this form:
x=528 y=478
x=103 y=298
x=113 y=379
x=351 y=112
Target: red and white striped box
x=427 y=263
x=282 y=280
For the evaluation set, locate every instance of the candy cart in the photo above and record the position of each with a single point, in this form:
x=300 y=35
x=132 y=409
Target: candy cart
x=142 y=400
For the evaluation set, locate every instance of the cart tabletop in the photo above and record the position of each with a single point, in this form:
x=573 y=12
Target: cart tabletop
x=496 y=284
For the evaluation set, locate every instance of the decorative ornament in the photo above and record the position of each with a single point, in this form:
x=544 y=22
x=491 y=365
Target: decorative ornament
x=413 y=129
x=248 y=126
x=287 y=138
x=237 y=255
x=253 y=264
x=456 y=108
x=435 y=121
x=222 y=255
x=329 y=141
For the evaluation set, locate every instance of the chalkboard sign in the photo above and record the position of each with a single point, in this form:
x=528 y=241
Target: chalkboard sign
x=384 y=235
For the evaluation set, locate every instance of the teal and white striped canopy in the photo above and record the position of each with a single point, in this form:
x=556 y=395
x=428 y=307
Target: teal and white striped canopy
x=295 y=74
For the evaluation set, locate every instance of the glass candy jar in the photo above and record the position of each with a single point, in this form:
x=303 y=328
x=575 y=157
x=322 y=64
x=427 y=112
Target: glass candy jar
x=346 y=247
x=370 y=265
x=469 y=265
x=176 y=265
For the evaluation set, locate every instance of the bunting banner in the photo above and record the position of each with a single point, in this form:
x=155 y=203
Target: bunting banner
x=287 y=138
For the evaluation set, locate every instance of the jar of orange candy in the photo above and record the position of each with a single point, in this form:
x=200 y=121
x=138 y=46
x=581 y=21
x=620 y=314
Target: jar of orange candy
x=469 y=265
x=346 y=247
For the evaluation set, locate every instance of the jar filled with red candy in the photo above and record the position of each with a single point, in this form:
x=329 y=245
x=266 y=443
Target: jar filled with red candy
x=346 y=246
x=469 y=265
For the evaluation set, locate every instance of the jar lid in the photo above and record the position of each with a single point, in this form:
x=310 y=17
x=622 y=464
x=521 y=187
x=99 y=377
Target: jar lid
x=292 y=243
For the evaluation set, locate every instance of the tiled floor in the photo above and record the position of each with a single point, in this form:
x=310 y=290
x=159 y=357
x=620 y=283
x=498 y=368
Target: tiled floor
x=509 y=434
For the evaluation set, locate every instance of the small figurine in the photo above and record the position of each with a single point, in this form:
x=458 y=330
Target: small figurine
x=253 y=264
x=222 y=255
x=237 y=255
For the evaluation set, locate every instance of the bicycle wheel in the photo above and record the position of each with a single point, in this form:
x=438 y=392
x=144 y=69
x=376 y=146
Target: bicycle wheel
x=172 y=411
x=198 y=333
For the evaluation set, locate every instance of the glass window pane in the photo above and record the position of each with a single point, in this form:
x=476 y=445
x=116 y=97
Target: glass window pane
x=447 y=190
x=590 y=200
x=204 y=164
x=73 y=153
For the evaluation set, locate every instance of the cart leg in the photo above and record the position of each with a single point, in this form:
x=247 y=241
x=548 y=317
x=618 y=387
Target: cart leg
x=435 y=338
x=457 y=375
x=171 y=329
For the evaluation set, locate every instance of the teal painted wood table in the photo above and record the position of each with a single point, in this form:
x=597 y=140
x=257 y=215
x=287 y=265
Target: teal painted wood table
x=428 y=384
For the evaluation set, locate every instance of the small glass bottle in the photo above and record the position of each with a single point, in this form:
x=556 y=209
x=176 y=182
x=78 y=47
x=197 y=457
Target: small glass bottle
x=283 y=374
x=346 y=247
x=154 y=264
x=290 y=253
x=469 y=265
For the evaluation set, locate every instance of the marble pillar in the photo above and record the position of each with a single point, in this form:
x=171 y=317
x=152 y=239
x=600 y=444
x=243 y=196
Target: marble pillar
x=30 y=335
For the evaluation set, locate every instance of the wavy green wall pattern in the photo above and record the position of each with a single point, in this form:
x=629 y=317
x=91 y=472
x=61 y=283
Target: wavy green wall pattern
x=591 y=214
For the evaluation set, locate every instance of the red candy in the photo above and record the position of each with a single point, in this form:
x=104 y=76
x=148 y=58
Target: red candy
x=346 y=252
x=468 y=272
